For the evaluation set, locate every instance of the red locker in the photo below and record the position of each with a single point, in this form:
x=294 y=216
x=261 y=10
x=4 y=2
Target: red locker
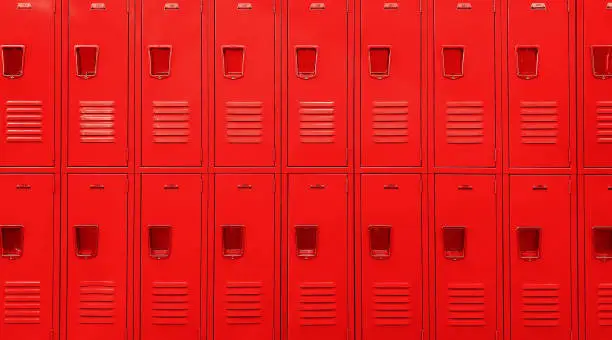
x=391 y=84
x=464 y=119
x=540 y=257
x=27 y=84
x=318 y=83
x=97 y=257
x=318 y=257
x=171 y=257
x=598 y=236
x=171 y=121
x=26 y=256
x=245 y=247
x=98 y=83
x=539 y=87
x=466 y=262
x=597 y=106
x=391 y=255
x=245 y=76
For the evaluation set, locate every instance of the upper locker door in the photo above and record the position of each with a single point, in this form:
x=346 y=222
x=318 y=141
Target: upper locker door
x=97 y=257
x=27 y=83
x=598 y=237
x=597 y=91
x=98 y=83
x=540 y=257
x=245 y=248
x=245 y=103
x=538 y=82
x=391 y=83
x=171 y=121
x=318 y=83
x=391 y=255
x=171 y=257
x=26 y=256
x=464 y=121
x=318 y=301
x=466 y=262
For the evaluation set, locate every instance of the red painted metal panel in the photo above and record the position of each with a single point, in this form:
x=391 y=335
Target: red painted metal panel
x=244 y=83
x=464 y=118
x=317 y=85
x=466 y=260
x=26 y=256
x=98 y=83
x=171 y=253
x=171 y=122
x=540 y=257
x=597 y=70
x=318 y=261
x=391 y=255
x=538 y=73
x=27 y=83
x=598 y=245
x=245 y=246
x=97 y=249
x=391 y=84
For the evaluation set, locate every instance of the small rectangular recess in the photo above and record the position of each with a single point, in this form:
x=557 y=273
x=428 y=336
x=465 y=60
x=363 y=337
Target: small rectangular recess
x=454 y=242
x=86 y=240
x=233 y=240
x=452 y=61
x=380 y=61
x=602 y=242
x=160 y=241
x=527 y=62
x=13 y=59
x=529 y=243
x=380 y=241
x=11 y=240
x=233 y=61
x=306 y=240
x=86 y=60
x=306 y=58
x=601 y=60
x=160 y=59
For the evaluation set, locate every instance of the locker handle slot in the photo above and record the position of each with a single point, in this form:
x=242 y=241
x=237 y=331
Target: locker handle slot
x=529 y=242
x=160 y=241
x=464 y=187
x=541 y=187
x=380 y=61
x=454 y=242
x=452 y=61
x=317 y=186
x=233 y=62
x=527 y=62
x=12 y=61
x=11 y=241
x=96 y=186
x=306 y=58
x=609 y=187
x=233 y=240
x=306 y=240
x=601 y=59
x=23 y=187
x=245 y=186
x=171 y=187
x=86 y=60
x=602 y=242
x=86 y=241
x=160 y=58
x=391 y=187
x=380 y=241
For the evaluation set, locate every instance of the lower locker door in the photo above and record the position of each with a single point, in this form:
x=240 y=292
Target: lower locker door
x=540 y=257
x=466 y=235
x=171 y=257
x=245 y=246
x=318 y=257
x=97 y=256
x=27 y=256
x=391 y=255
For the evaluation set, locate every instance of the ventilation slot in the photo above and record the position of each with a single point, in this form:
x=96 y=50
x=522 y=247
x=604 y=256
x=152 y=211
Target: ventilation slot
x=464 y=122
x=97 y=302
x=233 y=62
x=380 y=62
x=454 y=242
x=604 y=122
x=233 y=241
x=380 y=241
x=466 y=305
x=170 y=302
x=97 y=122
x=527 y=62
x=452 y=62
x=171 y=122
x=160 y=58
x=392 y=304
x=541 y=305
x=604 y=302
x=317 y=122
x=86 y=61
x=390 y=122
x=86 y=240
x=244 y=122
x=306 y=240
x=602 y=242
x=24 y=121
x=529 y=242
x=318 y=304
x=306 y=61
x=601 y=57
x=21 y=303
x=160 y=241
x=539 y=122
x=243 y=303
x=11 y=238
x=12 y=61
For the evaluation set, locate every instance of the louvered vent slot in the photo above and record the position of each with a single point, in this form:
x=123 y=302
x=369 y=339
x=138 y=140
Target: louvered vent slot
x=244 y=122
x=243 y=303
x=604 y=122
x=541 y=305
x=97 y=303
x=24 y=121
x=464 y=122
x=170 y=303
x=604 y=304
x=171 y=122
x=539 y=122
x=21 y=302
x=466 y=305
x=390 y=122
x=392 y=304
x=318 y=304
x=317 y=122
x=97 y=121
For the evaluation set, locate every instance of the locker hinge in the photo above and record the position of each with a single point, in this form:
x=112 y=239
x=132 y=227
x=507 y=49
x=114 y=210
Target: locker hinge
x=346 y=155
x=274 y=156
x=127 y=155
x=201 y=185
x=569 y=156
x=421 y=184
x=495 y=186
x=274 y=6
x=494 y=9
x=421 y=6
x=348 y=6
x=497 y=335
x=274 y=183
x=53 y=188
x=495 y=157
x=569 y=186
x=201 y=6
x=422 y=334
x=51 y=333
x=127 y=185
x=346 y=187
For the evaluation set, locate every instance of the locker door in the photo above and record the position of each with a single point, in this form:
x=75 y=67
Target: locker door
x=97 y=256
x=464 y=121
x=598 y=232
x=27 y=83
x=466 y=257
x=98 y=83
x=318 y=257
x=538 y=73
x=540 y=257
x=244 y=87
x=171 y=256
x=317 y=84
x=391 y=84
x=26 y=256
x=244 y=299
x=171 y=83
x=391 y=255
x=597 y=50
